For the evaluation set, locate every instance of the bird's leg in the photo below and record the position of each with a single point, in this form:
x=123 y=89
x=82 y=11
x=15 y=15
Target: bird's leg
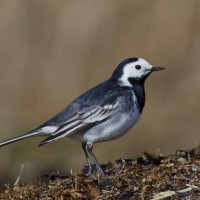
x=84 y=146
x=89 y=148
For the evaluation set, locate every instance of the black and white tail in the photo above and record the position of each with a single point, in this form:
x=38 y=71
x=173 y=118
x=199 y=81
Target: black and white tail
x=21 y=137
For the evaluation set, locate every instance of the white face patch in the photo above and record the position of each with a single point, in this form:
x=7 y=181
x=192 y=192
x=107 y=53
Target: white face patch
x=136 y=70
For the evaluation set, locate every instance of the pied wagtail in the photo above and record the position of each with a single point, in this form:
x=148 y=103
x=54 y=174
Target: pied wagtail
x=103 y=113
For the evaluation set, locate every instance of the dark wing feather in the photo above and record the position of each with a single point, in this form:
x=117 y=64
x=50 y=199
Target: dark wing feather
x=83 y=119
x=92 y=107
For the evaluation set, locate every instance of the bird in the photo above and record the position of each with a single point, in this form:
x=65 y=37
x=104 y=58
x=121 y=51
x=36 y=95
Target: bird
x=105 y=112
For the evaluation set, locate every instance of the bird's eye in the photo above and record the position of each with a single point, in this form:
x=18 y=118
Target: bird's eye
x=137 y=67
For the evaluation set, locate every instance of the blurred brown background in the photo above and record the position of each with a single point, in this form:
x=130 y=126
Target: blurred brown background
x=52 y=51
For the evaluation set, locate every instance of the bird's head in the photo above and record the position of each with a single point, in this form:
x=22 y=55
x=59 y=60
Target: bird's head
x=133 y=69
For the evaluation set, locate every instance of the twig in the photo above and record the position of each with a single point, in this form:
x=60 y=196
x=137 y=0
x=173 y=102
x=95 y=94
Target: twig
x=163 y=195
x=18 y=178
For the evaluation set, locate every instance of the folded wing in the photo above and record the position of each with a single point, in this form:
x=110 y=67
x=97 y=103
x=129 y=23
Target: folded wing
x=82 y=120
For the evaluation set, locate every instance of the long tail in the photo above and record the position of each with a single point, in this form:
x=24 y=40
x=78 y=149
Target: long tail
x=21 y=137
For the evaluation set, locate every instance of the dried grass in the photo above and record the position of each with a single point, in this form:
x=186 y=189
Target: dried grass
x=148 y=177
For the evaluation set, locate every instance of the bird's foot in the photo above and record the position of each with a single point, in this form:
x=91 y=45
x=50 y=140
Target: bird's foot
x=93 y=171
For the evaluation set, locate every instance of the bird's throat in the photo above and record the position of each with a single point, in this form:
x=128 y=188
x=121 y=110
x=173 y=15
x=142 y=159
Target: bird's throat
x=138 y=89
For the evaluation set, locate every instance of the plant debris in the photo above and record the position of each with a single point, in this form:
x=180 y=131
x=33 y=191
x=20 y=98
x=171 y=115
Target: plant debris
x=149 y=177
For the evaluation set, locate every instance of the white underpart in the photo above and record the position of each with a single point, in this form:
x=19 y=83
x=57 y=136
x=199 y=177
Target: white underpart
x=130 y=71
x=49 y=129
x=118 y=124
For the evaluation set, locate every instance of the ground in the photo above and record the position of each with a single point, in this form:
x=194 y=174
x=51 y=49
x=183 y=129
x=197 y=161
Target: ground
x=147 y=177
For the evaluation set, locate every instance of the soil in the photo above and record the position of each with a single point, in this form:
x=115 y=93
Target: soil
x=147 y=177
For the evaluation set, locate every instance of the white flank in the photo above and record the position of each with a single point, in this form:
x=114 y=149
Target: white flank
x=49 y=129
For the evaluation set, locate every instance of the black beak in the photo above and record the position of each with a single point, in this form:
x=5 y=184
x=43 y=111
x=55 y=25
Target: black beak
x=153 y=69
